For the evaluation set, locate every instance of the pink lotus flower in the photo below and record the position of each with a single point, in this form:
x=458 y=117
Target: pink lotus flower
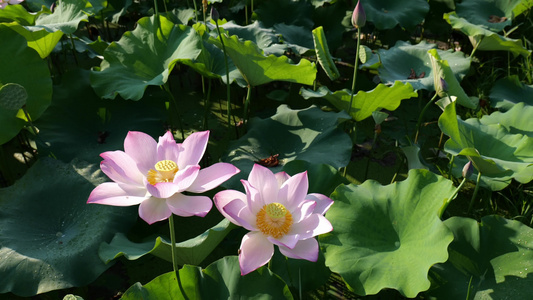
x=155 y=174
x=4 y=3
x=278 y=211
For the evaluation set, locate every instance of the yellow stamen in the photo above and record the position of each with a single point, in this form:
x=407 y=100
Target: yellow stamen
x=274 y=220
x=165 y=170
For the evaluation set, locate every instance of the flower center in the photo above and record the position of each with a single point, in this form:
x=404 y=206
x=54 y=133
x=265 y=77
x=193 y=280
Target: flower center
x=274 y=220
x=165 y=170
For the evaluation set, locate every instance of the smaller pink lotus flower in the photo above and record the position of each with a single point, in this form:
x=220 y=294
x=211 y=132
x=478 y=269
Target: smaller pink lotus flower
x=4 y=3
x=155 y=175
x=278 y=211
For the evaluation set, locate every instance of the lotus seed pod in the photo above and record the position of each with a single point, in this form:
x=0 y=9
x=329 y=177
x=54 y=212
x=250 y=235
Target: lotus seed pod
x=13 y=96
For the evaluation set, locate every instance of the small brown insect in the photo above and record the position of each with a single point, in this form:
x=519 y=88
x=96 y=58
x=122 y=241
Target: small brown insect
x=413 y=75
x=496 y=19
x=269 y=162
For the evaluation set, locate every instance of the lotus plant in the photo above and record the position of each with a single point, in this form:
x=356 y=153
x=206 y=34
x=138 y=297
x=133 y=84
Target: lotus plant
x=4 y=3
x=156 y=175
x=277 y=210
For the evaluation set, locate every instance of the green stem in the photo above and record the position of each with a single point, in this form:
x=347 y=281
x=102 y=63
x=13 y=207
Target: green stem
x=449 y=199
x=173 y=244
x=228 y=101
x=475 y=192
x=195 y=11
x=419 y=123
x=246 y=103
x=175 y=104
x=74 y=50
x=156 y=9
x=207 y=104
x=356 y=66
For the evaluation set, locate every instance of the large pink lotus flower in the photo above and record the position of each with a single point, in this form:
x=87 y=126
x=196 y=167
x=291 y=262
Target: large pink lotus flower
x=278 y=211
x=155 y=175
x=4 y=3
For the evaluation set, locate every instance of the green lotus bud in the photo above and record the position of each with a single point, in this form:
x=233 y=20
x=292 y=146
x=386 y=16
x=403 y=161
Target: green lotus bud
x=214 y=14
x=358 y=16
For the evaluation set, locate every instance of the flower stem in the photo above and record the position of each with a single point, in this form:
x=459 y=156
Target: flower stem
x=419 y=123
x=475 y=192
x=356 y=66
x=228 y=101
x=449 y=199
x=173 y=244
x=246 y=103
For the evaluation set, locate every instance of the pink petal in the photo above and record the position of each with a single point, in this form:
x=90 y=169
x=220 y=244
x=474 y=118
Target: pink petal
x=305 y=249
x=111 y=193
x=154 y=210
x=256 y=251
x=265 y=182
x=142 y=148
x=186 y=177
x=253 y=197
x=212 y=176
x=314 y=225
x=294 y=190
x=118 y=166
x=167 y=148
x=281 y=177
x=323 y=203
x=222 y=199
x=187 y=206
x=239 y=212
x=288 y=240
x=303 y=211
x=192 y=149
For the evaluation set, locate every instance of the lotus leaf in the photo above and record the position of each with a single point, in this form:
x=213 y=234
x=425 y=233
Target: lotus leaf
x=323 y=55
x=41 y=40
x=66 y=17
x=403 y=60
x=306 y=134
x=385 y=14
x=220 y=280
x=49 y=236
x=130 y=66
x=509 y=91
x=364 y=103
x=484 y=39
x=388 y=236
x=22 y=65
x=488 y=260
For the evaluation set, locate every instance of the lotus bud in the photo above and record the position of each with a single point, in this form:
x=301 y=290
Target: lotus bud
x=468 y=169
x=443 y=85
x=358 y=16
x=214 y=14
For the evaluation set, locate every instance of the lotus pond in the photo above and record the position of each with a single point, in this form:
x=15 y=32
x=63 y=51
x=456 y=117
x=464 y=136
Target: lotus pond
x=277 y=149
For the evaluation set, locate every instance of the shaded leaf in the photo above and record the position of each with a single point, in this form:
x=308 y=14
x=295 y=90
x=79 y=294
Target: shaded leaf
x=509 y=91
x=385 y=14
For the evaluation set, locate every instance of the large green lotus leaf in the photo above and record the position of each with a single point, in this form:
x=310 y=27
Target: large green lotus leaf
x=143 y=57
x=22 y=65
x=493 y=259
x=49 y=236
x=220 y=280
x=296 y=38
x=257 y=69
x=192 y=251
x=385 y=14
x=388 y=236
x=40 y=40
x=323 y=55
x=264 y=38
x=516 y=120
x=484 y=39
x=66 y=17
x=18 y=14
x=484 y=13
x=509 y=91
x=441 y=70
x=400 y=61
x=80 y=124
x=494 y=151
x=364 y=103
x=308 y=134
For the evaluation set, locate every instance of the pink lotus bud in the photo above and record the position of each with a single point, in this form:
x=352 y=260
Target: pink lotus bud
x=468 y=169
x=358 y=16
x=214 y=14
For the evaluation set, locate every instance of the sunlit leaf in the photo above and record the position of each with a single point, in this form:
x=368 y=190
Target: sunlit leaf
x=493 y=259
x=49 y=236
x=192 y=251
x=41 y=40
x=323 y=55
x=364 y=103
x=220 y=280
x=65 y=18
x=130 y=66
x=388 y=236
